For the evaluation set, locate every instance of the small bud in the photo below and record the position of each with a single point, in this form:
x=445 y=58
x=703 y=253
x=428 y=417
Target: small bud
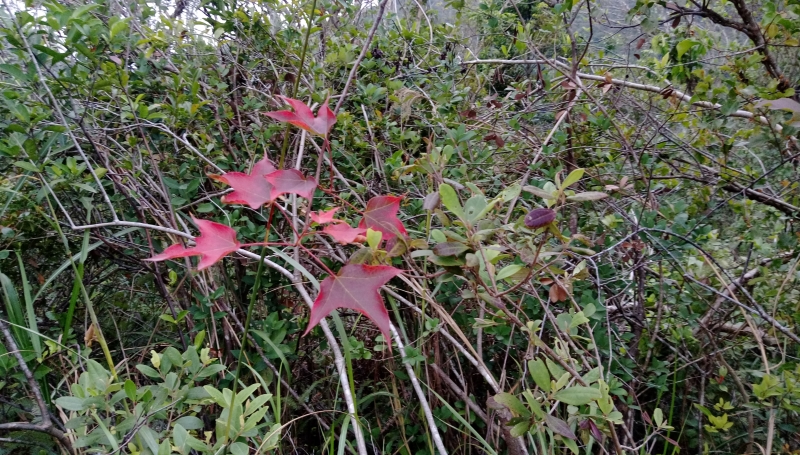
x=539 y=217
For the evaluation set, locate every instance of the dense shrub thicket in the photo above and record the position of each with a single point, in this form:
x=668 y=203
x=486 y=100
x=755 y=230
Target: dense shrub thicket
x=594 y=209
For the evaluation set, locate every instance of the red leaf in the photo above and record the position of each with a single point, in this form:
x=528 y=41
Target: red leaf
x=214 y=242
x=291 y=181
x=559 y=427
x=671 y=441
x=381 y=215
x=537 y=218
x=343 y=233
x=356 y=287
x=596 y=433
x=302 y=117
x=325 y=217
x=249 y=189
x=469 y=113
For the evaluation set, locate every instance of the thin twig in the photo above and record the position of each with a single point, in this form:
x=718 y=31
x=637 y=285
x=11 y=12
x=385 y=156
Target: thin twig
x=46 y=425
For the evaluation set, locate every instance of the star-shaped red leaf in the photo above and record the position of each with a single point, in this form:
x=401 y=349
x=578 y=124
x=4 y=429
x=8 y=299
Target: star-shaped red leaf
x=302 y=117
x=381 y=215
x=356 y=287
x=249 y=189
x=325 y=217
x=214 y=242
x=291 y=181
x=343 y=233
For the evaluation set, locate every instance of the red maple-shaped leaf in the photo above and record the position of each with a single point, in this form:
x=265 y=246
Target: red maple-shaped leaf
x=214 y=242
x=249 y=189
x=356 y=287
x=343 y=233
x=325 y=217
x=381 y=215
x=291 y=181
x=302 y=117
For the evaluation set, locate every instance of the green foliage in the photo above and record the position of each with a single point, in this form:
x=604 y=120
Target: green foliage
x=168 y=415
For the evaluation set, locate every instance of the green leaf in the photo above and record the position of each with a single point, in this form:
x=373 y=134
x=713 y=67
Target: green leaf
x=684 y=46
x=14 y=71
x=84 y=187
x=245 y=393
x=512 y=402
x=239 y=448
x=190 y=422
x=450 y=200
x=254 y=418
x=540 y=375
x=533 y=404
x=555 y=369
x=729 y=106
x=71 y=403
x=520 y=429
x=474 y=207
x=572 y=178
x=572 y=445
x=450 y=249
x=27 y=166
x=148 y=371
x=272 y=437
x=179 y=435
x=374 y=238
x=508 y=271
x=544 y=194
x=510 y=192
x=206 y=207
x=118 y=26
x=587 y=196
x=658 y=417
x=149 y=438
x=577 y=395
x=578 y=319
x=130 y=390
x=592 y=375
x=276 y=349
x=211 y=370
x=769 y=387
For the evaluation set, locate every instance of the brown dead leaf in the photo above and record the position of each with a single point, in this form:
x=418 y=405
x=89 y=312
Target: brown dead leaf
x=90 y=336
x=557 y=293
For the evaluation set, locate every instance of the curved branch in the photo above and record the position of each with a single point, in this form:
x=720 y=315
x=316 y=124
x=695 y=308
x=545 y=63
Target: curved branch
x=667 y=92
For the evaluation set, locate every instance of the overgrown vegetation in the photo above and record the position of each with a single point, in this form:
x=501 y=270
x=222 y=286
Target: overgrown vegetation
x=522 y=227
